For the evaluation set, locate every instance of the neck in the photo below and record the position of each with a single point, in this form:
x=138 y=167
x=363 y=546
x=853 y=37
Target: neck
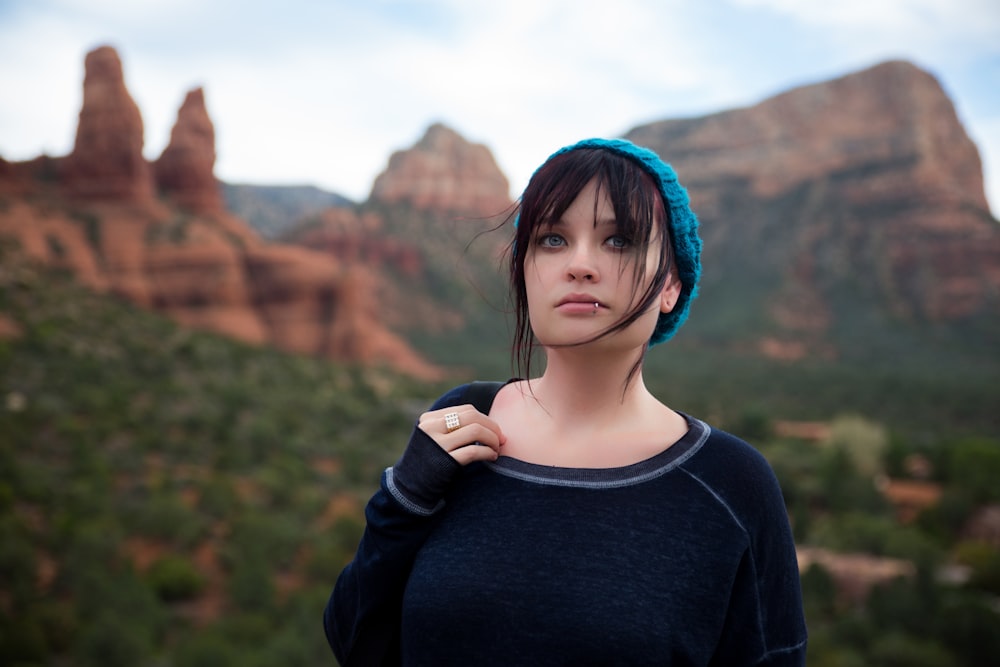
x=584 y=386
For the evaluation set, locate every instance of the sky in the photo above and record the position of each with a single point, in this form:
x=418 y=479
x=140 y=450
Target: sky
x=321 y=92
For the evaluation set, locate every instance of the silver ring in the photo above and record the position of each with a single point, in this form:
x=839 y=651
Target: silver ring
x=451 y=422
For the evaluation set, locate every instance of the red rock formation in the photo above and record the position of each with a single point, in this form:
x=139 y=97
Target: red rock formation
x=22 y=178
x=201 y=266
x=869 y=179
x=196 y=271
x=350 y=237
x=855 y=573
x=984 y=526
x=339 y=319
x=184 y=171
x=893 y=114
x=107 y=162
x=444 y=172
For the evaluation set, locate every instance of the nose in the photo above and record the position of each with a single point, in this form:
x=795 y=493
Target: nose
x=582 y=264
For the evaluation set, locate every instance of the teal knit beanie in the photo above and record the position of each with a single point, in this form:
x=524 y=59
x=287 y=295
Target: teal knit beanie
x=683 y=226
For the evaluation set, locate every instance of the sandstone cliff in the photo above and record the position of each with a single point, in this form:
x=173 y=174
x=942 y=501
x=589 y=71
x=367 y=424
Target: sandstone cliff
x=186 y=169
x=107 y=161
x=444 y=172
x=185 y=255
x=419 y=230
x=831 y=213
x=356 y=237
x=853 y=196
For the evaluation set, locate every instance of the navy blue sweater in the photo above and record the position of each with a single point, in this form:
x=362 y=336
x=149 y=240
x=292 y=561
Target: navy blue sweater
x=683 y=559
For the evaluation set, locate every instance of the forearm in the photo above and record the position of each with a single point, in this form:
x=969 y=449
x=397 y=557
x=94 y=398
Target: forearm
x=375 y=578
x=398 y=517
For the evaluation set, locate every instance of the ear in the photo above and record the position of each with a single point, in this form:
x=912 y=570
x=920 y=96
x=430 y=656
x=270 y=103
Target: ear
x=671 y=293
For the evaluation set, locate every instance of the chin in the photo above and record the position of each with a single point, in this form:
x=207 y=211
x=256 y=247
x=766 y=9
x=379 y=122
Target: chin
x=624 y=342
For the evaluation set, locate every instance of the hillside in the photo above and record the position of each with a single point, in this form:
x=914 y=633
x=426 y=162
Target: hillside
x=174 y=497
x=851 y=262
x=158 y=234
x=192 y=416
x=861 y=203
x=169 y=492
x=274 y=209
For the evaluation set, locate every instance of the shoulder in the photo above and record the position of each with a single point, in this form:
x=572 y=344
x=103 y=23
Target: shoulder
x=470 y=392
x=724 y=447
x=454 y=396
x=738 y=475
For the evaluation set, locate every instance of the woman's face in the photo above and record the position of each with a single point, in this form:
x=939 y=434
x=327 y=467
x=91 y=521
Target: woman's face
x=580 y=277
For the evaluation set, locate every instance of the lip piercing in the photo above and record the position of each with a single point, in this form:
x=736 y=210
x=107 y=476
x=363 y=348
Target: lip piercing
x=596 y=306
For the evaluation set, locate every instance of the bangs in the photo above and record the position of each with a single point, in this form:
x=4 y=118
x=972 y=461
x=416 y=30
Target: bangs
x=633 y=195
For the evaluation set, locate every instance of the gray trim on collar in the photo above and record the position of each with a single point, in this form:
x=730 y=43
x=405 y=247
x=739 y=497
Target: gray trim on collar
x=609 y=478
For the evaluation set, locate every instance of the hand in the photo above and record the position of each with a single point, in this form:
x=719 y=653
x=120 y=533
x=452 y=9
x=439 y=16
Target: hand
x=477 y=438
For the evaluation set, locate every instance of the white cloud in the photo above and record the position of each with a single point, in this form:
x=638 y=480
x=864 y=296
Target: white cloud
x=987 y=138
x=323 y=92
x=931 y=22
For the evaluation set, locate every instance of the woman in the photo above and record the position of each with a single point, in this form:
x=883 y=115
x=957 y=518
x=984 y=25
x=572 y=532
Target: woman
x=573 y=518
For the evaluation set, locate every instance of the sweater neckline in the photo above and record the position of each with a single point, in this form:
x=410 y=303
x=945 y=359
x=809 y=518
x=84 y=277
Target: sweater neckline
x=598 y=478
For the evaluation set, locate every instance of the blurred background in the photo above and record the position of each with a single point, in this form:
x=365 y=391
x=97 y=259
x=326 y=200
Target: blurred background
x=242 y=246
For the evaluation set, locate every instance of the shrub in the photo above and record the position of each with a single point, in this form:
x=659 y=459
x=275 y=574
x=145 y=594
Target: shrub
x=206 y=650
x=944 y=520
x=22 y=641
x=164 y=517
x=270 y=538
x=975 y=465
x=251 y=587
x=218 y=497
x=819 y=591
x=968 y=625
x=895 y=650
x=113 y=641
x=875 y=535
x=245 y=629
x=174 y=578
x=984 y=560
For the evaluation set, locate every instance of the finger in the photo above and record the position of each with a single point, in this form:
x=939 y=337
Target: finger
x=469 y=453
x=435 y=421
x=466 y=435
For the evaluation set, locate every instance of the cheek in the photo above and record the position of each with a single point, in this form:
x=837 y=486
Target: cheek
x=535 y=275
x=531 y=284
x=538 y=288
x=535 y=298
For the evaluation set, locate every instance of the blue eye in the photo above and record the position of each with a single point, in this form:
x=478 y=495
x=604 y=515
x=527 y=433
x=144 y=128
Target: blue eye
x=551 y=241
x=618 y=242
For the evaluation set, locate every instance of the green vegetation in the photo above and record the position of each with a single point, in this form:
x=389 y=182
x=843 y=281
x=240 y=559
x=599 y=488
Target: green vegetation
x=924 y=381
x=172 y=498
x=914 y=613
x=166 y=495
x=174 y=578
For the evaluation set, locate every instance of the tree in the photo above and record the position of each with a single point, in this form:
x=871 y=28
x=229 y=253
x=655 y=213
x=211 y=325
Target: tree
x=175 y=578
x=975 y=464
x=897 y=650
x=865 y=442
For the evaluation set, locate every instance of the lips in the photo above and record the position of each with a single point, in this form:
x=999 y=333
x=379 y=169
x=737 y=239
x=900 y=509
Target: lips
x=580 y=302
x=580 y=298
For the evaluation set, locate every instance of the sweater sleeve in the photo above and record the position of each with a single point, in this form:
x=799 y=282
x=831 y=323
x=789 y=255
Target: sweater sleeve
x=765 y=624
x=364 y=607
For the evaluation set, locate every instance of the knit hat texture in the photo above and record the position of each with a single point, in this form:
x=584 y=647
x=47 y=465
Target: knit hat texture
x=683 y=226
